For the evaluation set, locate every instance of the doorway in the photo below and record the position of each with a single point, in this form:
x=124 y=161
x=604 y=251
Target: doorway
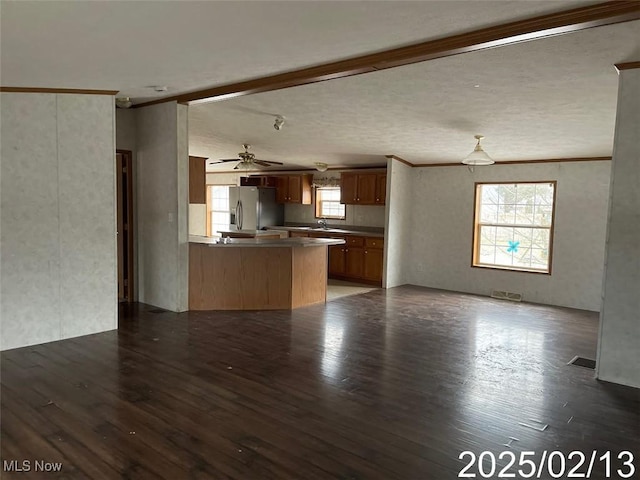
x=124 y=195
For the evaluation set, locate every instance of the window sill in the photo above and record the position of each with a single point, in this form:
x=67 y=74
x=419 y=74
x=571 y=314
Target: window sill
x=512 y=269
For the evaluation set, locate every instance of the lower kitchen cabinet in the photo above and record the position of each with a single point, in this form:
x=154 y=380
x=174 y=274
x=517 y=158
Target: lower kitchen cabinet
x=359 y=259
x=354 y=262
x=336 y=260
x=373 y=264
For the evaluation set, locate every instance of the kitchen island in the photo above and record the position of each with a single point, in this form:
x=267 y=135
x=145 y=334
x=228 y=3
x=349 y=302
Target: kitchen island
x=257 y=273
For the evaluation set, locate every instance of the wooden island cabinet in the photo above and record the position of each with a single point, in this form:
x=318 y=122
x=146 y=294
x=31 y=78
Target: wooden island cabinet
x=359 y=259
x=257 y=273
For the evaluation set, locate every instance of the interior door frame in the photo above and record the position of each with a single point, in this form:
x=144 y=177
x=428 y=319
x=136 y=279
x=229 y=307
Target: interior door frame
x=124 y=171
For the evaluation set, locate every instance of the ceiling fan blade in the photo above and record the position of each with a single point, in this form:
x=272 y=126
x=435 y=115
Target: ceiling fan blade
x=268 y=161
x=262 y=162
x=229 y=160
x=236 y=167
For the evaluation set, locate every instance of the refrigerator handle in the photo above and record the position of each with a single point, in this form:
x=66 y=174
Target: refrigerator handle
x=239 y=215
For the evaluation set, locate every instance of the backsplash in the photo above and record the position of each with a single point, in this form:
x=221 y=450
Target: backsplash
x=357 y=215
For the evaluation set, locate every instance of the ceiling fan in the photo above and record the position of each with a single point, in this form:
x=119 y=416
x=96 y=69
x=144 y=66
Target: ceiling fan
x=246 y=159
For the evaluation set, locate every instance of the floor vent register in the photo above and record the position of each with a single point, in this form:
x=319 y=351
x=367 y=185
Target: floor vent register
x=583 y=362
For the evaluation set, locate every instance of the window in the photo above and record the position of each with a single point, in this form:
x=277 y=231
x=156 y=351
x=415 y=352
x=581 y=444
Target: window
x=514 y=226
x=217 y=209
x=328 y=203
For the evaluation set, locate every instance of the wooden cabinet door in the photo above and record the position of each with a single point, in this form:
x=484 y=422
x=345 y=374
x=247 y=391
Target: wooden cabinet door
x=366 y=189
x=306 y=182
x=354 y=262
x=252 y=181
x=282 y=189
x=373 y=264
x=381 y=188
x=295 y=189
x=197 y=180
x=336 y=260
x=298 y=234
x=348 y=188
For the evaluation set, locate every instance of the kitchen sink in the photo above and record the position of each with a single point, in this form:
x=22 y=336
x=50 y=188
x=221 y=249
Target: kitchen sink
x=320 y=229
x=330 y=230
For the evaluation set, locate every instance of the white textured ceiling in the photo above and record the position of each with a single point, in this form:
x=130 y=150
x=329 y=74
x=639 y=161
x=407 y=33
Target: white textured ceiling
x=188 y=45
x=544 y=99
x=551 y=98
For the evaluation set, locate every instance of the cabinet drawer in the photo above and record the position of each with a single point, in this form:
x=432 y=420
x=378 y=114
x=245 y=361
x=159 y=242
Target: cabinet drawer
x=355 y=241
x=372 y=242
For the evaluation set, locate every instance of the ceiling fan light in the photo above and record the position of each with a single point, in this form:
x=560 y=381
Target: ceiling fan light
x=123 y=102
x=478 y=156
x=321 y=167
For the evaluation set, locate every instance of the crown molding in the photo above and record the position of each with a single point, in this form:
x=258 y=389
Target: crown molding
x=517 y=162
x=422 y=165
x=379 y=168
x=76 y=91
x=558 y=23
x=401 y=160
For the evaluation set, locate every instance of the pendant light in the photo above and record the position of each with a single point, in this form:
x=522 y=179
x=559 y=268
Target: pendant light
x=478 y=156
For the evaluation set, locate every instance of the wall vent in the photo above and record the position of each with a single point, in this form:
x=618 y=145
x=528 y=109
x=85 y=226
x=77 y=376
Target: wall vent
x=502 y=295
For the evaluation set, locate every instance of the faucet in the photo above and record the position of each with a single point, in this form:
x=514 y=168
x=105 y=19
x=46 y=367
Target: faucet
x=323 y=223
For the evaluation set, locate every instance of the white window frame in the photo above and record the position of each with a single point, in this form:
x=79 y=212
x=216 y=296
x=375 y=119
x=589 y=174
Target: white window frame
x=210 y=231
x=319 y=202
x=478 y=225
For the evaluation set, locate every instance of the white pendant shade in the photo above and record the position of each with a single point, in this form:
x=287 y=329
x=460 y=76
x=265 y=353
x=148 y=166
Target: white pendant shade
x=478 y=156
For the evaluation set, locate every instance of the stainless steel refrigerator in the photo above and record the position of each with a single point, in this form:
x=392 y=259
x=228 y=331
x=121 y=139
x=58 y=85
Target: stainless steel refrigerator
x=253 y=208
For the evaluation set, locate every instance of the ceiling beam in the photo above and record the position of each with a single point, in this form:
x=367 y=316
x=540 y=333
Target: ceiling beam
x=558 y=23
x=627 y=66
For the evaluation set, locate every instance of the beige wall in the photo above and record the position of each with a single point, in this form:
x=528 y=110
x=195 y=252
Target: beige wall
x=58 y=229
x=399 y=211
x=162 y=184
x=441 y=225
x=619 y=340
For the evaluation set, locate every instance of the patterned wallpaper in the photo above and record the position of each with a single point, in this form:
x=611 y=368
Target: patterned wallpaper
x=162 y=206
x=441 y=222
x=398 y=229
x=58 y=217
x=619 y=346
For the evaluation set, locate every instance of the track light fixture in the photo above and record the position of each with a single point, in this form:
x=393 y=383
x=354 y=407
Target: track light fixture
x=279 y=122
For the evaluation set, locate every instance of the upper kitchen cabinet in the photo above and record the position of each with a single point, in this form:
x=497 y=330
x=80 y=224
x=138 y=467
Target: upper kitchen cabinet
x=197 y=180
x=258 y=181
x=381 y=188
x=363 y=188
x=294 y=189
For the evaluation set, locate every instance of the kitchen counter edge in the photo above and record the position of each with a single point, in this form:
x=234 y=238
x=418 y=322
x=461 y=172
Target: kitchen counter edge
x=329 y=231
x=294 y=242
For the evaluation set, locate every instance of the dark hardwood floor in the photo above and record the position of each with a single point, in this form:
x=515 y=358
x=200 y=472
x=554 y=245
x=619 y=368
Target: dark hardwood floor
x=385 y=385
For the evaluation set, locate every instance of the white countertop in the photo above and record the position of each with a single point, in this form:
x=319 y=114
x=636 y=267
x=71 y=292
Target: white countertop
x=266 y=242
